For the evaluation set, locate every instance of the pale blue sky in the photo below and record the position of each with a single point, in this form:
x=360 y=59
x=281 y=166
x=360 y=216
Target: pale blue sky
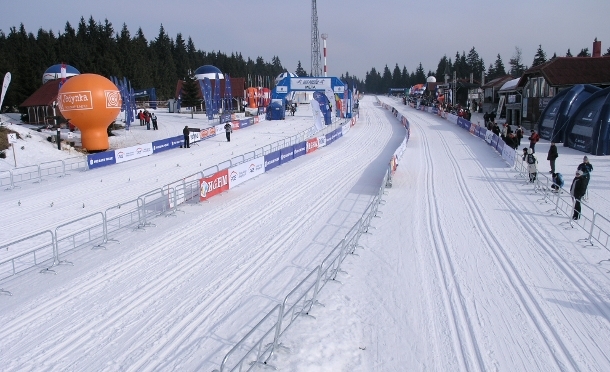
x=362 y=34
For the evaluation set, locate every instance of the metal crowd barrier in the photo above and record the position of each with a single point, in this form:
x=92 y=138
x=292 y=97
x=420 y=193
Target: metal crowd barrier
x=134 y=214
x=42 y=251
x=258 y=351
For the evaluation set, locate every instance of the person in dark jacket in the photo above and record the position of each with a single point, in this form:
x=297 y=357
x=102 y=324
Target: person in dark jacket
x=228 y=131
x=519 y=134
x=586 y=169
x=153 y=117
x=186 y=132
x=557 y=182
x=577 y=191
x=552 y=156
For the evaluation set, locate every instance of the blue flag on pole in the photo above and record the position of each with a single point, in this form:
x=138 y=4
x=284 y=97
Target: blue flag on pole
x=228 y=94
x=207 y=97
x=217 y=102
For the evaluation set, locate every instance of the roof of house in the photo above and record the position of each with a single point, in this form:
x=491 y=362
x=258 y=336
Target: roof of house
x=564 y=71
x=44 y=96
x=510 y=85
x=497 y=82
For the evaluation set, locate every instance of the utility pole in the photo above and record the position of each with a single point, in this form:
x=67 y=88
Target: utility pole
x=315 y=41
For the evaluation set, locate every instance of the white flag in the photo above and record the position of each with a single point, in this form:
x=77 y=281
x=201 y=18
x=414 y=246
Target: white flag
x=7 y=81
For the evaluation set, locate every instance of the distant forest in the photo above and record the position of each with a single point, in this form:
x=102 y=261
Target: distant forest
x=462 y=64
x=95 y=47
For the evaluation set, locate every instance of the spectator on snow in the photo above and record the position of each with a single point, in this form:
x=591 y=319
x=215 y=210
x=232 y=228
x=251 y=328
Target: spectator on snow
x=147 y=119
x=519 y=134
x=141 y=117
x=153 y=117
x=524 y=156
x=577 y=191
x=494 y=128
x=511 y=141
x=586 y=169
x=552 y=156
x=531 y=165
x=504 y=132
x=186 y=132
x=228 y=131
x=557 y=182
x=534 y=138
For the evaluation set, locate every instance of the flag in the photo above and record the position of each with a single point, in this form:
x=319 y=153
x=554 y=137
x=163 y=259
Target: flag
x=323 y=103
x=217 y=103
x=5 y=83
x=63 y=75
x=207 y=97
x=228 y=94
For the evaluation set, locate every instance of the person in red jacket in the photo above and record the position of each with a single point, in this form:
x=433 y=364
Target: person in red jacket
x=534 y=138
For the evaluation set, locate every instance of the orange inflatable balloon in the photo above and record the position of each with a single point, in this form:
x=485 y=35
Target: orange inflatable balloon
x=91 y=102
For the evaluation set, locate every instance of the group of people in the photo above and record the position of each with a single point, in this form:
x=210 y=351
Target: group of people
x=578 y=189
x=145 y=119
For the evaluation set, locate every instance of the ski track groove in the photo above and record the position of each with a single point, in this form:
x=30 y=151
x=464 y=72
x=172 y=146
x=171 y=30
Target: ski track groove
x=511 y=274
x=142 y=298
x=466 y=344
x=573 y=275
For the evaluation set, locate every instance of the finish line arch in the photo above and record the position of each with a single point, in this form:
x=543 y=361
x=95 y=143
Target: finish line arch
x=288 y=85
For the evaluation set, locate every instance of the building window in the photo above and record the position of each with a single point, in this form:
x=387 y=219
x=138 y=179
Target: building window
x=534 y=87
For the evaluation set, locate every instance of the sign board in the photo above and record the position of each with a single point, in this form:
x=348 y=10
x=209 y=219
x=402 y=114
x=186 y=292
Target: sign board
x=12 y=138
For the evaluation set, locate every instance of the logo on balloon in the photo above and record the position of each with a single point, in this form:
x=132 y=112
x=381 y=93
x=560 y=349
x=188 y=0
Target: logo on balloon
x=75 y=101
x=113 y=98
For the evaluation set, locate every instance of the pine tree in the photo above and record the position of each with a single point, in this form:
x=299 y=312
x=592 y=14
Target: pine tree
x=584 y=53
x=499 y=67
x=190 y=93
x=516 y=65
x=300 y=71
x=540 y=57
x=607 y=52
x=420 y=75
x=569 y=54
x=396 y=77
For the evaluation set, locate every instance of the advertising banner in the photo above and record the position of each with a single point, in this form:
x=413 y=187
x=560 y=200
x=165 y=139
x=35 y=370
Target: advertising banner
x=286 y=154
x=494 y=140
x=243 y=123
x=214 y=185
x=312 y=145
x=272 y=160
x=452 y=118
x=300 y=149
x=133 y=152
x=509 y=155
x=207 y=133
x=329 y=137
x=245 y=171
x=219 y=129
x=225 y=117
x=345 y=128
x=473 y=129
x=317 y=114
x=101 y=159
x=308 y=83
x=234 y=125
x=167 y=143
x=488 y=136
x=321 y=141
x=323 y=105
x=194 y=137
x=500 y=145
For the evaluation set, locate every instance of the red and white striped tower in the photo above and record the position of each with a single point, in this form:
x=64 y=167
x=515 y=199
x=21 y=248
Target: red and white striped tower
x=324 y=36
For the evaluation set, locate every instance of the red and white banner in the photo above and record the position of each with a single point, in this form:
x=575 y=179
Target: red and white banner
x=214 y=185
x=312 y=145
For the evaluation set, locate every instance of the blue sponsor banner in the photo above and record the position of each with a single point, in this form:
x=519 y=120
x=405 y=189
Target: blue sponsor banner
x=272 y=160
x=494 y=141
x=245 y=122
x=500 y=146
x=286 y=154
x=300 y=149
x=167 y=143
x=329 y=138
x=101 y=159
x=225 y=117
x=435 y=111
x=464 y=123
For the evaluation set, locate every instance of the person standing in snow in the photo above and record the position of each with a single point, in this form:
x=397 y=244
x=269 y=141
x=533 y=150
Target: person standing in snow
x=153 y=117
x=586 y=169
x=186 y=132
x=534 y=138
x=557 y=182
x=552 y=156
x=141 y=117
x=519 y=133
x=532 y=169
x=228 y=131
x=577 y=191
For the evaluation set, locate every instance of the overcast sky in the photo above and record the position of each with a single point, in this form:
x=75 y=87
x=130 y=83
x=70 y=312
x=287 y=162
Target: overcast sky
x=361 y=34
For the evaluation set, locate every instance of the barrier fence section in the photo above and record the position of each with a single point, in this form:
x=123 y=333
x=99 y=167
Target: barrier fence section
x=593 y=223
x=97 y=228
x=249 y=353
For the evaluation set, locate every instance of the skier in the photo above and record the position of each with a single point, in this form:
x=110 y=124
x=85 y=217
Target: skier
x=228 y=131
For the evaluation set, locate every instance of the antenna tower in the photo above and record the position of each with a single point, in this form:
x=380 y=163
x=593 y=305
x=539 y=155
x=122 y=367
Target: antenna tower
x=315 y=42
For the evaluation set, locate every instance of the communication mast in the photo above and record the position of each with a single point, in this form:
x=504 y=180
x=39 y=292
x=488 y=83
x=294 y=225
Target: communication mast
x=324 y=37
x=315 y=41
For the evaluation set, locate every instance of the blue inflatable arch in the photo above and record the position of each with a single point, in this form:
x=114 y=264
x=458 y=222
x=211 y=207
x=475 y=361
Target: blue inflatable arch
x=554 y=118
x=587 y=129
x=287 y=85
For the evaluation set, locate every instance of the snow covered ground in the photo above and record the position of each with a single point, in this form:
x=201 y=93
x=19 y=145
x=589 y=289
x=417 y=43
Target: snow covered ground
x=464 y=269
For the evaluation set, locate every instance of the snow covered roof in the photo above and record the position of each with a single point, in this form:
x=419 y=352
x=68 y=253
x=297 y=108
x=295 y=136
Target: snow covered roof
x=510 y=85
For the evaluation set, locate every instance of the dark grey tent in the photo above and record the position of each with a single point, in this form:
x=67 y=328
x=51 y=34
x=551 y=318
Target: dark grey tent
x=554 y=118
x=588 y=129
